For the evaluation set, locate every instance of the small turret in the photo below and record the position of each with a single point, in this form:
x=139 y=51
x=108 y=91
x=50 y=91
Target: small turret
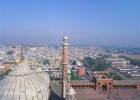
x=70 y=94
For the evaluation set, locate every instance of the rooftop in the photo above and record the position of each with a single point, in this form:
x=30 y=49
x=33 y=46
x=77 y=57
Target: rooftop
x=116 y=94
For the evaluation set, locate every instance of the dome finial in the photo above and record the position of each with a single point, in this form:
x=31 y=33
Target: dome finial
x=37 y=61
x=65 y=37
x=21 y=54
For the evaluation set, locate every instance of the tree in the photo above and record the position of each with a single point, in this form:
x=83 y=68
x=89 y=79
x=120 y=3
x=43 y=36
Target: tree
x=46 y=61
x=13 y=47
x=101 y=66
x=117 y=77
x=90 y=61
x=74 y=62
x=132 y=61
x=10 y=52
x=74 y=76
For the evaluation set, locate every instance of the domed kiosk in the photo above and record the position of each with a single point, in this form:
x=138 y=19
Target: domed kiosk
x=24 y=84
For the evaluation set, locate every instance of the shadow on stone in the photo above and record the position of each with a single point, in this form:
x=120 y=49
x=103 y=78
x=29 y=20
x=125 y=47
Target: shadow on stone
x=54 y=96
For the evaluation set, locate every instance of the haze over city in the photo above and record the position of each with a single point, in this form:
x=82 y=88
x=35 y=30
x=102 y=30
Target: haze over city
x=69 y=50
x=106 y=23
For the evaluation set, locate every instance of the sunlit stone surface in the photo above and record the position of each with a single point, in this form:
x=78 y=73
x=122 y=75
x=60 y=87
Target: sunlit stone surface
x=24 y=84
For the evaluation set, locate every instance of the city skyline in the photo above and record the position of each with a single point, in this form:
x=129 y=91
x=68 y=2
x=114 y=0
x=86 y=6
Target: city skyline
x=92 y=22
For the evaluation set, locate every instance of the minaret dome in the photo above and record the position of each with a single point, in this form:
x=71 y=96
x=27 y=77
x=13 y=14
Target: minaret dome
x=65 y=38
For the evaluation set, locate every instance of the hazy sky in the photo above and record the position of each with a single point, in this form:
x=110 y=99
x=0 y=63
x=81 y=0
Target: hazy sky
x=86 y=22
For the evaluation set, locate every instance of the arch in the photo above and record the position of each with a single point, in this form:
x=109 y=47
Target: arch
x=135 y=86
x=104 y=87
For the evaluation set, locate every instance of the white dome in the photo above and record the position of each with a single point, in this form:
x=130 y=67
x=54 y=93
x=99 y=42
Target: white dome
x=23 y=84
x=43 y=74
x=65 y=38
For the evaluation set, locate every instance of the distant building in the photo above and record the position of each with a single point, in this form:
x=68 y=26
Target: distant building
x=117 y=62
x=8 y=65
x=81 y=71
x=134 y=73
x=124 y=70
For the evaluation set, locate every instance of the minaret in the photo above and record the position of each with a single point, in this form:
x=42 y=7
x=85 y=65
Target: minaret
x=64 y=66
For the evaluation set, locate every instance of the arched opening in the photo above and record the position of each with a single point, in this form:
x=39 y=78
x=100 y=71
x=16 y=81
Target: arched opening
x=104 y=87
x=135 y=86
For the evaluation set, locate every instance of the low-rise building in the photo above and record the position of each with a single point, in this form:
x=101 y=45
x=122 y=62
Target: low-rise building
x=117 y=62
x=81 y=71
x=134 y=74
